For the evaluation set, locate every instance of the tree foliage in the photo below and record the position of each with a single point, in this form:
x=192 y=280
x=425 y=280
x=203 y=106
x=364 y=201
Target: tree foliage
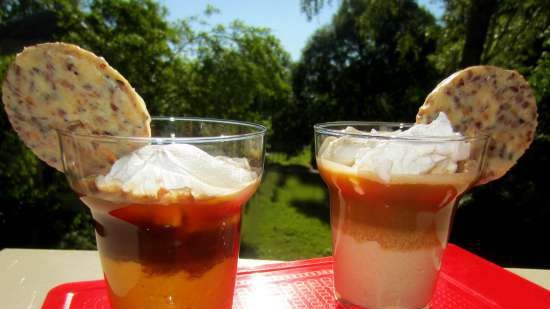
x=505 y=220
x=376 y=60
x=312 y=7
x=369 y=63
x=518 y=37
x=237 y=72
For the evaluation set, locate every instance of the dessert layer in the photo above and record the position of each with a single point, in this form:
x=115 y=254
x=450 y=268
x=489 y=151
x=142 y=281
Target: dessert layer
x=409 y=213
x=422 y=149
x=163 y=239
x=128 y=283
x=388 y=278
x=156 y=171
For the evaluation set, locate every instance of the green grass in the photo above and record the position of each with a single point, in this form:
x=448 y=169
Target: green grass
x=288 y=218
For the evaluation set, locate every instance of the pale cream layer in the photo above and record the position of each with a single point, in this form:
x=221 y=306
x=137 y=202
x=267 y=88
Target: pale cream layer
x=370 y=276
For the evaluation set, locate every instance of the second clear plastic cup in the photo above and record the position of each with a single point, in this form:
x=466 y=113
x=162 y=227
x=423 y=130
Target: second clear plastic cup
x=389 y=231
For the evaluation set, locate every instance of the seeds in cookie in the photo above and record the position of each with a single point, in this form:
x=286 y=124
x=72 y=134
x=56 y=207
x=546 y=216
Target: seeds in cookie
x=489 y=100
x=59 y=86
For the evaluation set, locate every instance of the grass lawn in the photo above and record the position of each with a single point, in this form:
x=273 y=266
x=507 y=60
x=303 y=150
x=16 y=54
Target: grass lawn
x=288 y=217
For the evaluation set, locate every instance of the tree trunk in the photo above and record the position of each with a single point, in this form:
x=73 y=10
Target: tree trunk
x=477 y=26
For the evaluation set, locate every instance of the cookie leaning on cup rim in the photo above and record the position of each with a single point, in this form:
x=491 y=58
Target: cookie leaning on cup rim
x=489 y=100
x=59 y=86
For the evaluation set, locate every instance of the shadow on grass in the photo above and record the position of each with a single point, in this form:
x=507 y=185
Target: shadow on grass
x=307 y=177
x=248 y=251
x=313 y=209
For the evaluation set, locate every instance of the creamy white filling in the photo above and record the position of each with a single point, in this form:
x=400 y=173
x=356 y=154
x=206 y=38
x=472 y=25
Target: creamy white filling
x=399 y=156
x=386 y=279
x=153 y=168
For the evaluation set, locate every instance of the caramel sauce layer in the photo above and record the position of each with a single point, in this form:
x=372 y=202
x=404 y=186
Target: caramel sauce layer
x=410 y=212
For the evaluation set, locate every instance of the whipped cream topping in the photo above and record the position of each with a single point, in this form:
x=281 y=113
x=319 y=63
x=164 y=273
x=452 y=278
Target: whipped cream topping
x=174 y=167
x=399 y=157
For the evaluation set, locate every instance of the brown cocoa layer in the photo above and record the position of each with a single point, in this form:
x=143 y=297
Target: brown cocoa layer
x=164 y=249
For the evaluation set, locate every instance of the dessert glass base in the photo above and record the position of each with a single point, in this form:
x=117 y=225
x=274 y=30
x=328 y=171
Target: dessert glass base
x=343 y=304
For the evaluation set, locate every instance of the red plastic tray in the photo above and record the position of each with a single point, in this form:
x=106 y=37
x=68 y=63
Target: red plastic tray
x=466 y=282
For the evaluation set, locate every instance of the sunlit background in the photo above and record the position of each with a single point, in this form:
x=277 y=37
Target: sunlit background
x=290 y=64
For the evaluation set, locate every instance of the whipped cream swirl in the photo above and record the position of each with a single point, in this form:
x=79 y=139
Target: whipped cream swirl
x=176 y=167
x=399 y=156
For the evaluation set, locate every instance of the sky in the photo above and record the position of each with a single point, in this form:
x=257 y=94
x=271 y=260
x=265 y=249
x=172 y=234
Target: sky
x=283 y=17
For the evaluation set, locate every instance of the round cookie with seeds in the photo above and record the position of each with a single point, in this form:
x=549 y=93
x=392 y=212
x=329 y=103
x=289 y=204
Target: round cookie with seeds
x=490 y=100
x=58 y=86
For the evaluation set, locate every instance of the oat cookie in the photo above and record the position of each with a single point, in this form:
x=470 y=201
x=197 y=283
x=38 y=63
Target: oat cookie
x=61 y=86
x=490 y=100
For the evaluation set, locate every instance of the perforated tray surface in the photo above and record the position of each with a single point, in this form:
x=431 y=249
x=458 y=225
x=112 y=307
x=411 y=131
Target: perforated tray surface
x=466 y=282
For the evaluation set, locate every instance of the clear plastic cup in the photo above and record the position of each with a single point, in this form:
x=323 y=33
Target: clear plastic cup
x=388 y=236
x=169 y=251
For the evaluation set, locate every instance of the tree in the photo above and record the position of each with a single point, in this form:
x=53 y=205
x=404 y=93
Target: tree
x=517 y=37
x=477 y=25
x=135 y=37
x=504 y=32
x=312 y=7
x=36 y=207
x=236 y=72
x=368 y=64
x=506 y=219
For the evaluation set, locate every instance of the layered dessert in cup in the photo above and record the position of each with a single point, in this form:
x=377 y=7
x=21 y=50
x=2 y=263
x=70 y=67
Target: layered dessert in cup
x=166 y=194
x=392 y=196
x=167 y=214
x=394 y=187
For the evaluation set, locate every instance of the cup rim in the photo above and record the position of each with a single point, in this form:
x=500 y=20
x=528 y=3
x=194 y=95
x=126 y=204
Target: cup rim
x=259 y=130
x=324 y=128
